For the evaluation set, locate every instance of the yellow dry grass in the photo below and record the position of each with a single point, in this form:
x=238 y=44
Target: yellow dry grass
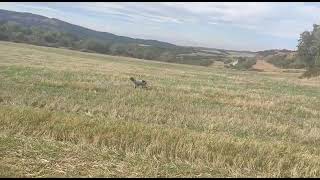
x=65 y=113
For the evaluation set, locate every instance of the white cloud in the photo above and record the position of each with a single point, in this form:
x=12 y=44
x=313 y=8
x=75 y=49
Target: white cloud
x=273 y=18
x=282 y=20
x=135 y=11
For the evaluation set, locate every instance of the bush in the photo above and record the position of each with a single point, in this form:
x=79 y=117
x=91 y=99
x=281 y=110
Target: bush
x=285 y=61
x=311 y=72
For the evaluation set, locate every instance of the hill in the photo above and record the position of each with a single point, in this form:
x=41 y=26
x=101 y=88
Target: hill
x=227 y=52
x=32 y=20
x=66 y=113
x=44 y=31
x=273 y=52
x=40 y=30
x=284 y=59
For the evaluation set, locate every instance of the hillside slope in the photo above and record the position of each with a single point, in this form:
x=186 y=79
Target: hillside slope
x=29 y=20
x=40 y=30
x=73 y=114
x=264 y=66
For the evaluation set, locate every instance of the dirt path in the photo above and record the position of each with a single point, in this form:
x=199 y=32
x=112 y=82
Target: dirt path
x=265 y=66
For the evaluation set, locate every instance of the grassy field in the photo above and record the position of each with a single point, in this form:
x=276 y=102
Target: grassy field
x=65 y=113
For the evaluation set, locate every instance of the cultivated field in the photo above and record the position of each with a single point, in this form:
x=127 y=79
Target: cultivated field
x=65 y=113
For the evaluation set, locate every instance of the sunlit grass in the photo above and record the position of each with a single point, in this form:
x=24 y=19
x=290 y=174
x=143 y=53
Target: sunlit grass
x=73 y=114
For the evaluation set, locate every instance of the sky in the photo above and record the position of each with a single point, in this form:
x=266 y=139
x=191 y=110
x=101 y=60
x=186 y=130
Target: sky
x=249 y=26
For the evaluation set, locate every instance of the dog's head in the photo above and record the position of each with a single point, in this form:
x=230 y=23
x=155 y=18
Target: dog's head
x=132 y=79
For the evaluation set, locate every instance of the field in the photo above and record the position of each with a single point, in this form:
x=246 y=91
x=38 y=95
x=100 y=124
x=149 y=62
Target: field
x=65 y=113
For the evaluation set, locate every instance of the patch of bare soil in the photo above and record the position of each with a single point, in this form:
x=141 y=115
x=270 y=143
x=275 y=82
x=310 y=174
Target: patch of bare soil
x=262 y=65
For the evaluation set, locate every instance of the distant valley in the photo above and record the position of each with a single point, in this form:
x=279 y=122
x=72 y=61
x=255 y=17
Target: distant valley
x=39 y=30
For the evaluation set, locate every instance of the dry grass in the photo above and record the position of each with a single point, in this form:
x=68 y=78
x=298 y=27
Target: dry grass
x=265 y=66
x=72 y=114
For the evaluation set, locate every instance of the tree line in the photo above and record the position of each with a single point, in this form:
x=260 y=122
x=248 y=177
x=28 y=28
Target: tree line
x=12 y=31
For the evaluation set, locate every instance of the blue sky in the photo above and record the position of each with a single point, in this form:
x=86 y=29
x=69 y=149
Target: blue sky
x=228 y=25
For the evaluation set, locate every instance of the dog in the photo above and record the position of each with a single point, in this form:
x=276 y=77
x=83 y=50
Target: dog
x=138 y=83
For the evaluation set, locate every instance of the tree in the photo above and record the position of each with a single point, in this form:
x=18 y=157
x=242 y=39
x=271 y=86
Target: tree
x=308 y=47
x=309 y=51
x=304 y=43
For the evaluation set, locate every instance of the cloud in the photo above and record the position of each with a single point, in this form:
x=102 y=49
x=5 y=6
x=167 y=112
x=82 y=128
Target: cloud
x=186 y=21
x=137 y=12
x=261 y=17
x=28 y=6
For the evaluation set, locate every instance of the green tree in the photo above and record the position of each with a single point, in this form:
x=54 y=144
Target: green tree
x=309 y=46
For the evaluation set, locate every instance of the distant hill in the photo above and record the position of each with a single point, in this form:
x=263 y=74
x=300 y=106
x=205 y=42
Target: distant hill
x=40 y=30
x=227 y=52
x=285 y=59
x=273 y=52
x=30 y=20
